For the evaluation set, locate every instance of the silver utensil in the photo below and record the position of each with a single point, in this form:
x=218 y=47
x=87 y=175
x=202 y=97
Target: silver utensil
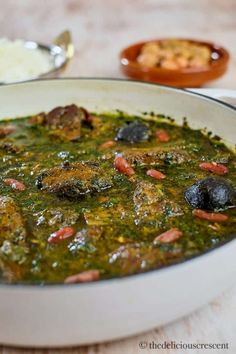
x=60 y=52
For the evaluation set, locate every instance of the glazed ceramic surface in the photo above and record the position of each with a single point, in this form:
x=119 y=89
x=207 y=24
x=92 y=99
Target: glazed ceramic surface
x=65 y=315
x=186 y=77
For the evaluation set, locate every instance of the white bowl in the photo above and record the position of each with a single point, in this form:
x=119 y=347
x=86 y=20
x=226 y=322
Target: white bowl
x=64 y=315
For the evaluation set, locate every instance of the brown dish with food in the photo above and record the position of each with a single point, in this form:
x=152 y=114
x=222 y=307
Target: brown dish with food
x=87 y=196
x=175 y=62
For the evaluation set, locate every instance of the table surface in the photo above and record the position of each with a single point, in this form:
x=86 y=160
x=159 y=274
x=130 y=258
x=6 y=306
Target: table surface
x=100 y=29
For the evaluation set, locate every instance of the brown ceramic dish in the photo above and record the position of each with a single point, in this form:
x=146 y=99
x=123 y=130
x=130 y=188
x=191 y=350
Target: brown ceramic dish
x=187 y=77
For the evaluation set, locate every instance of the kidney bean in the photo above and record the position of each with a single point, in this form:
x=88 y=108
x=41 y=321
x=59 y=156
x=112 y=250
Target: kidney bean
x=14 y=184
x=169 y=236
x=83 y=277
x=61 y=234
x=108 y=144
x=156 y=174
x=162 y=136
x=214 y=167
x=218 y=217
x=122 y=165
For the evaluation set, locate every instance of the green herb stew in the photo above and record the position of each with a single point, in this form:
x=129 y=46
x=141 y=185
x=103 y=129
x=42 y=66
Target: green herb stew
x=86 y=196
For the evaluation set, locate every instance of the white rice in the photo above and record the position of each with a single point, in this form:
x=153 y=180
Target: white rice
x=18 y=63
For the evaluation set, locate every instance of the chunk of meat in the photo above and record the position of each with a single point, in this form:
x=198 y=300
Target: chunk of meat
x=83 y=277
x=132 y=258
x=147 y=193
x=214 y=167
x=123 y=166
x=13 y=248
x=85 y=240
x=73 y=181
x=157 y=155
x=56 y=217
x=11 y=221
x=64 y=122
x=217 y=217
x=211 y=193
x=148 y=200
x=169 y=236
x=151 y=203
x=134 y=132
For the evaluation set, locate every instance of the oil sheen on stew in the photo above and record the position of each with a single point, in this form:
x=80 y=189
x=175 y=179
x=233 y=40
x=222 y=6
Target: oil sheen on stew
x=85 y=196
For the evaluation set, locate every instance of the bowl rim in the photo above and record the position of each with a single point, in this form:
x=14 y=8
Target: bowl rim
x=176 y=265
x=223 y=59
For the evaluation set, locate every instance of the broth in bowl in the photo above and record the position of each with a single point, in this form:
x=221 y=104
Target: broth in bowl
x=87 y=196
